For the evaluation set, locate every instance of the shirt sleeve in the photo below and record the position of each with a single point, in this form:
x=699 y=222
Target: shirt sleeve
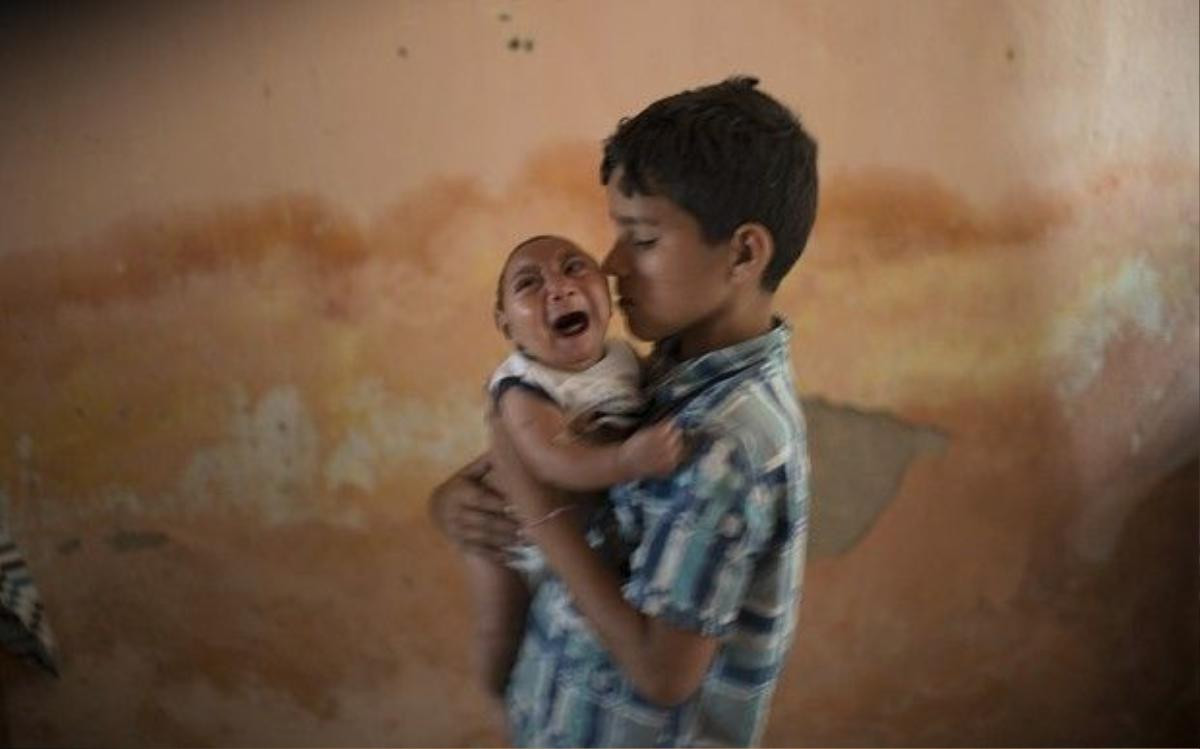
x=703 y=533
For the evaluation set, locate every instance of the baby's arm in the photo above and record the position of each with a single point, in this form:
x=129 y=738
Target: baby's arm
x=501 y=602
x=535 y=423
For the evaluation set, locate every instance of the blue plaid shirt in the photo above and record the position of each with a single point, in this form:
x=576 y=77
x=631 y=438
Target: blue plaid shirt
x=717 y=548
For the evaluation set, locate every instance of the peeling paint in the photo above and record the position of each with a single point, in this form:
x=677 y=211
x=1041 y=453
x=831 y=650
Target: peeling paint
x=1131 y=297
x=267 y=466
x=859 y=460
x=357 y=347
x=386 y=428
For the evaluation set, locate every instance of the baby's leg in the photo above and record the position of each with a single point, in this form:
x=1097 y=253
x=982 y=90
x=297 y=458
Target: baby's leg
x=501 y=601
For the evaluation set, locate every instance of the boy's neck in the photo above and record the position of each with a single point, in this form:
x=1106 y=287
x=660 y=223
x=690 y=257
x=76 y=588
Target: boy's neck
x=727 y=327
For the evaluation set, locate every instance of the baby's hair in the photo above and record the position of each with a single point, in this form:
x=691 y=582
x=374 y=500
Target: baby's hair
x=504 y=268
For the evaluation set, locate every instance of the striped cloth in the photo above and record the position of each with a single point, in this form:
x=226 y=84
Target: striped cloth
x=717 y=548
x=23 y=627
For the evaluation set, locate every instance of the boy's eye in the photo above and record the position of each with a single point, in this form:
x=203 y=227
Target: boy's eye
x=574 y=267
x=644 y=243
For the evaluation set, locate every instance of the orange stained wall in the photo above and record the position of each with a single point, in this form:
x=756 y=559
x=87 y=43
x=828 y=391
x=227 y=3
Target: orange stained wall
x=247 y=258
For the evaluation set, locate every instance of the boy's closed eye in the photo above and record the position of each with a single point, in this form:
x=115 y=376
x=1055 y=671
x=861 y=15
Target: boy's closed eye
x=640 y=242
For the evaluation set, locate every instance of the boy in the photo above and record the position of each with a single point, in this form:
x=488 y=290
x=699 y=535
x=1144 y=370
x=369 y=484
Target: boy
x=713 y=192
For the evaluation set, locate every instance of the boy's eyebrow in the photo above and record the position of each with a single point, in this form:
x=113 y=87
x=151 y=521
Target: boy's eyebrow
x=631 y=220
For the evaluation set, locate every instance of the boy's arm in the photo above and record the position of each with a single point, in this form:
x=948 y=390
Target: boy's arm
x=467 y=508
x=536 y=427
x=666 y=664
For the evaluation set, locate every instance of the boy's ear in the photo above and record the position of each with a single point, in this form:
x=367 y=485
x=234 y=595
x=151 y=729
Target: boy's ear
x=501 y=322
x=751 y=251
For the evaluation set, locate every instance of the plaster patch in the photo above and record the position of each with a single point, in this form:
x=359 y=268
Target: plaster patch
x=119 y=499
x=1132 y=296
x=859 y=460
x=386 y=428
x=352 y=463
x=267 y=466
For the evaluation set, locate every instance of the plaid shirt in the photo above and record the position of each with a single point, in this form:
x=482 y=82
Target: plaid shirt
x=717 y=548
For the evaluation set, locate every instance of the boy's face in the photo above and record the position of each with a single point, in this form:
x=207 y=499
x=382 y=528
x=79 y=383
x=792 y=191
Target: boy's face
x=669 y=280
x=554 y=304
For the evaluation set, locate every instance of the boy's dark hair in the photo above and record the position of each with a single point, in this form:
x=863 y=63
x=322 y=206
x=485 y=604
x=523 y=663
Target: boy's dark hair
x=727 y=154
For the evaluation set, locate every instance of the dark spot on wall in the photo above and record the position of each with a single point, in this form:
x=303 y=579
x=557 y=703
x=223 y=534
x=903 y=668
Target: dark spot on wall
x=80 y=412
x=402 y=51
x=514 y=44
x=528 y=45
x=504 y=17
x=1010 y=54
x=70 y=546
x=859 y=459
x=124 y=541
x=266 y=91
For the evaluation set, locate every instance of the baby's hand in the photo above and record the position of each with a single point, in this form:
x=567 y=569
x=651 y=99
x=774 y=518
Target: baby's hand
x=652 y=451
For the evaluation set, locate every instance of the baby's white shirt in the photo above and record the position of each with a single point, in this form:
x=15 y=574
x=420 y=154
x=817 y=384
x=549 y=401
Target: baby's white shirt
x=607 y=393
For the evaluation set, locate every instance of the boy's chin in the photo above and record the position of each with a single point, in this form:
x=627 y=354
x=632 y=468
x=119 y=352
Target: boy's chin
x=644 y=331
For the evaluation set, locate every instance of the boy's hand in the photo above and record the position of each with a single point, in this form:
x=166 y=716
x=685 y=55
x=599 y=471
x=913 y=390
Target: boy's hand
x=472 y=514
x=653 y=451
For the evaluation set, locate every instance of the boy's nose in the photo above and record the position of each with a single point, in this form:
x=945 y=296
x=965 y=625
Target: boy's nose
x=614 y=262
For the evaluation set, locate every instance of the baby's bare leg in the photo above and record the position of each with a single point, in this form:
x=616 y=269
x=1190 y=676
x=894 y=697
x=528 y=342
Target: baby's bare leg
x=501 y=601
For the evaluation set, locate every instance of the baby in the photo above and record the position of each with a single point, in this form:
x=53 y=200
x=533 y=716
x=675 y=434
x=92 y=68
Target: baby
x=569 y=399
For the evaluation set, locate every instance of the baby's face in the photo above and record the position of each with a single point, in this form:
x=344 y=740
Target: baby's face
x=555 y=304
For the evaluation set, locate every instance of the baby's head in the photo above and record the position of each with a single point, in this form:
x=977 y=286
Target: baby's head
x=552 y=302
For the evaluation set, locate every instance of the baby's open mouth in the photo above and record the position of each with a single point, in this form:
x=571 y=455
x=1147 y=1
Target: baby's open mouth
x=571 y=324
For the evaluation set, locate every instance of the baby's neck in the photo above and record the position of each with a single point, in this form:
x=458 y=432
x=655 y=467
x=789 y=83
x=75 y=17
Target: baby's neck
x=579 y=366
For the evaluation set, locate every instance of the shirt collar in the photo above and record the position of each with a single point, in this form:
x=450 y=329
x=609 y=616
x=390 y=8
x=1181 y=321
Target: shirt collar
x=671 y=381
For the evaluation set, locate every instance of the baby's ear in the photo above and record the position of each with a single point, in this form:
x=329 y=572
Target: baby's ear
x=502 y=322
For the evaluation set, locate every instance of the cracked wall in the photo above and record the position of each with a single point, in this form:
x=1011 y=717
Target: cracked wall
x=245 y=296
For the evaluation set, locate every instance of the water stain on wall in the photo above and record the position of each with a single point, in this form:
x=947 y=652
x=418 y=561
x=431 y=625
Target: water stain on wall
x=125 y=541
x=248 y=405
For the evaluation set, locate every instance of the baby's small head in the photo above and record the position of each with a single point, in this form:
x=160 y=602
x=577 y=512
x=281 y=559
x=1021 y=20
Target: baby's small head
x=552 y=302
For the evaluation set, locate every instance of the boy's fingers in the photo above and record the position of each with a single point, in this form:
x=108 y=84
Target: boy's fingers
x=486 y=501
x=497 y=554
x=488 y=530
x=478 y=468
